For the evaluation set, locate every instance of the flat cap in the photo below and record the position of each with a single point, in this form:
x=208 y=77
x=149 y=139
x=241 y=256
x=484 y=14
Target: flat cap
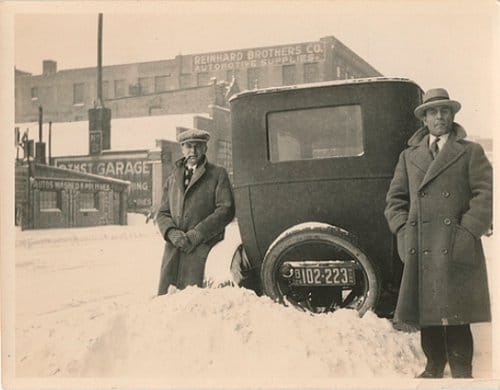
x=193 y=135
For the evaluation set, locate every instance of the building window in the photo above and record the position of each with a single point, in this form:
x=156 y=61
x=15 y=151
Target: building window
x=50 y=200
x=224 y=155
x=311 y=72
x=253 y=78
x=120 y=88
x=78 y=93
x=332 y=132
x=161 y=83
x=105 y=90
x=289 y=77
x=145 y=85
x=203 y=78
x=338 y=71
x=89 y=200
x=34 y=93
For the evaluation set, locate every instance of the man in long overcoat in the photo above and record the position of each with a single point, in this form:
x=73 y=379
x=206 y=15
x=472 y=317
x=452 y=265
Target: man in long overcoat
x=197 y=204
x=439 y=204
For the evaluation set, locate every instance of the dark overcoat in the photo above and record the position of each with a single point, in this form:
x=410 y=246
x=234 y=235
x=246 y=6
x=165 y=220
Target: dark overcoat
x=439 y=210
x=206 y=205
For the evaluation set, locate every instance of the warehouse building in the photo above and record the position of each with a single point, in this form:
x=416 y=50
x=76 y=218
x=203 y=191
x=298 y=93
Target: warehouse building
x=184 y=84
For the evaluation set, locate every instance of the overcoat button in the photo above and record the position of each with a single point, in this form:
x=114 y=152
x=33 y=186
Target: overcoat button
x=444 y=251
x=413 y=251
x=426 y=252
x=445 y=194
x=421 y=194
x=447 y=221
x=413 y=223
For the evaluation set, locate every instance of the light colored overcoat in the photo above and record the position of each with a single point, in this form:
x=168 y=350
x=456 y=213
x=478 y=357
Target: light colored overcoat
x=206 y=205
x=439 y=210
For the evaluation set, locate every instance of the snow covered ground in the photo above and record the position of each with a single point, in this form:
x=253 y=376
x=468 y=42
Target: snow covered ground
x=86 y=308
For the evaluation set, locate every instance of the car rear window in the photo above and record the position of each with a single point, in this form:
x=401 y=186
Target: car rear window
x=315 y=133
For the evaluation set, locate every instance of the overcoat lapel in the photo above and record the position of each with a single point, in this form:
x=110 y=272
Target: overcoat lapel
x=421 y=156
x=450 y=153
x=179 y=176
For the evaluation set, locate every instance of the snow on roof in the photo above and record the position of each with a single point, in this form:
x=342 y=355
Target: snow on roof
x=320 y=84
x=72 y=138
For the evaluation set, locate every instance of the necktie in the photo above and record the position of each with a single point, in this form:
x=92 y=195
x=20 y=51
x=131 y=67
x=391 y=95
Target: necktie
x=188 y=174
x=434 y=147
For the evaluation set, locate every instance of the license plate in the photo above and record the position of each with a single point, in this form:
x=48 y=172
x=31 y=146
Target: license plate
x=332 y=273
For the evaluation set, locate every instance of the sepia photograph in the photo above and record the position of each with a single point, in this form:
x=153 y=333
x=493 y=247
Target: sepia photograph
x=255 y=194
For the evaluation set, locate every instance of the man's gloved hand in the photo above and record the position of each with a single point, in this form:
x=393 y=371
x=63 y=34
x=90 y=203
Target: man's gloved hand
x=178 y=238
x=195 y=238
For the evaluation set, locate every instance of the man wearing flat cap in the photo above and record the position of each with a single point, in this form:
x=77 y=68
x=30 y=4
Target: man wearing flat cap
x=439 y=204
x=197 y=204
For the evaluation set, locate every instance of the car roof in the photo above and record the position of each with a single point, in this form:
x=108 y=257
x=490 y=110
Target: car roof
x=321 y=84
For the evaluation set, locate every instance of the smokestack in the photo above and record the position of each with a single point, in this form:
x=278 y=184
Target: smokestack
x=49 y=67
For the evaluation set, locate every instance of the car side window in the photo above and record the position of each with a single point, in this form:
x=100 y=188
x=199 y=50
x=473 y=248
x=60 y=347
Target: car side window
x=315 y=133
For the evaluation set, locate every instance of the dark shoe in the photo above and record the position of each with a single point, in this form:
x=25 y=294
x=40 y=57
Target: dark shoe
x=429 y=374
x=466 y=374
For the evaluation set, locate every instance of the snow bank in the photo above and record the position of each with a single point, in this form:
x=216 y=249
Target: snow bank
x=209 y=333
x=136 y=228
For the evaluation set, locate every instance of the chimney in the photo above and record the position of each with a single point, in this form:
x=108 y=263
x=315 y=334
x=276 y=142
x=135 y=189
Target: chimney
x=49 y=67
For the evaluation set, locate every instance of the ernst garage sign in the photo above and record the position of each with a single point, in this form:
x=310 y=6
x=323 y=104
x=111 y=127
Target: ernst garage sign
x=252 y=58
x=137 y=170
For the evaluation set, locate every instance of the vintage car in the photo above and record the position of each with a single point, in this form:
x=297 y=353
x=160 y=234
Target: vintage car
x=312 y=164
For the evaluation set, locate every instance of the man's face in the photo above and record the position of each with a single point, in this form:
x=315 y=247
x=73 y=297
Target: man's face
x=439 y=120
x=194 y=151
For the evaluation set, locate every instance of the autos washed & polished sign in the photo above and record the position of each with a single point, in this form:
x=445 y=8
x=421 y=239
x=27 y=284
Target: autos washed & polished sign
x=136 y=170
x=253 y=58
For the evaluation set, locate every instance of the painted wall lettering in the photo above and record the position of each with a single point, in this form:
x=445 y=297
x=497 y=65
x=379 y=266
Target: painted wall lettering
x=252 y=58
x=137 y=170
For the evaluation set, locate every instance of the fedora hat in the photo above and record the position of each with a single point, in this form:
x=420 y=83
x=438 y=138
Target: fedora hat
x=436 y=97
x=192 y=135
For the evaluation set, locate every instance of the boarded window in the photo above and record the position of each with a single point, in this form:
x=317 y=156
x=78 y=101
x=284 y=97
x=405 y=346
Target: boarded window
x=311 y=72
x=50 y=200
x=78 y=93
x=120 y=89
x=231 y=73
x=145 y=85
x=203 y=78
x=89 y=200
x=315 y=133
x=162 y=83
x=289 y=75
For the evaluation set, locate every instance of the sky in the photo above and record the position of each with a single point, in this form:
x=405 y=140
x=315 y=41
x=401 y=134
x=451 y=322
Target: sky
x=442 y=43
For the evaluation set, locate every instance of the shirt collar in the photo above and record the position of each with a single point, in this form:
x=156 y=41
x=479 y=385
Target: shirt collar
x=442 y=139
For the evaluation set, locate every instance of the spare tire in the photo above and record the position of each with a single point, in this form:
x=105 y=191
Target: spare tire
x=320 y=244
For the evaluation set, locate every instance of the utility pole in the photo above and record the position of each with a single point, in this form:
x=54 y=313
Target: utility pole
x=40 y=145
x=100 y=102
x=99 y=116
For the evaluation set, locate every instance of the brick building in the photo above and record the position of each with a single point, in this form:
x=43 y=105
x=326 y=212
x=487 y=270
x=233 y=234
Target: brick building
x=184 y=84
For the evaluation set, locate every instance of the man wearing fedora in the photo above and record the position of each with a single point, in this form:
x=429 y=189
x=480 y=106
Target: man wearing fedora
x=197 y=204
x=439 y=204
